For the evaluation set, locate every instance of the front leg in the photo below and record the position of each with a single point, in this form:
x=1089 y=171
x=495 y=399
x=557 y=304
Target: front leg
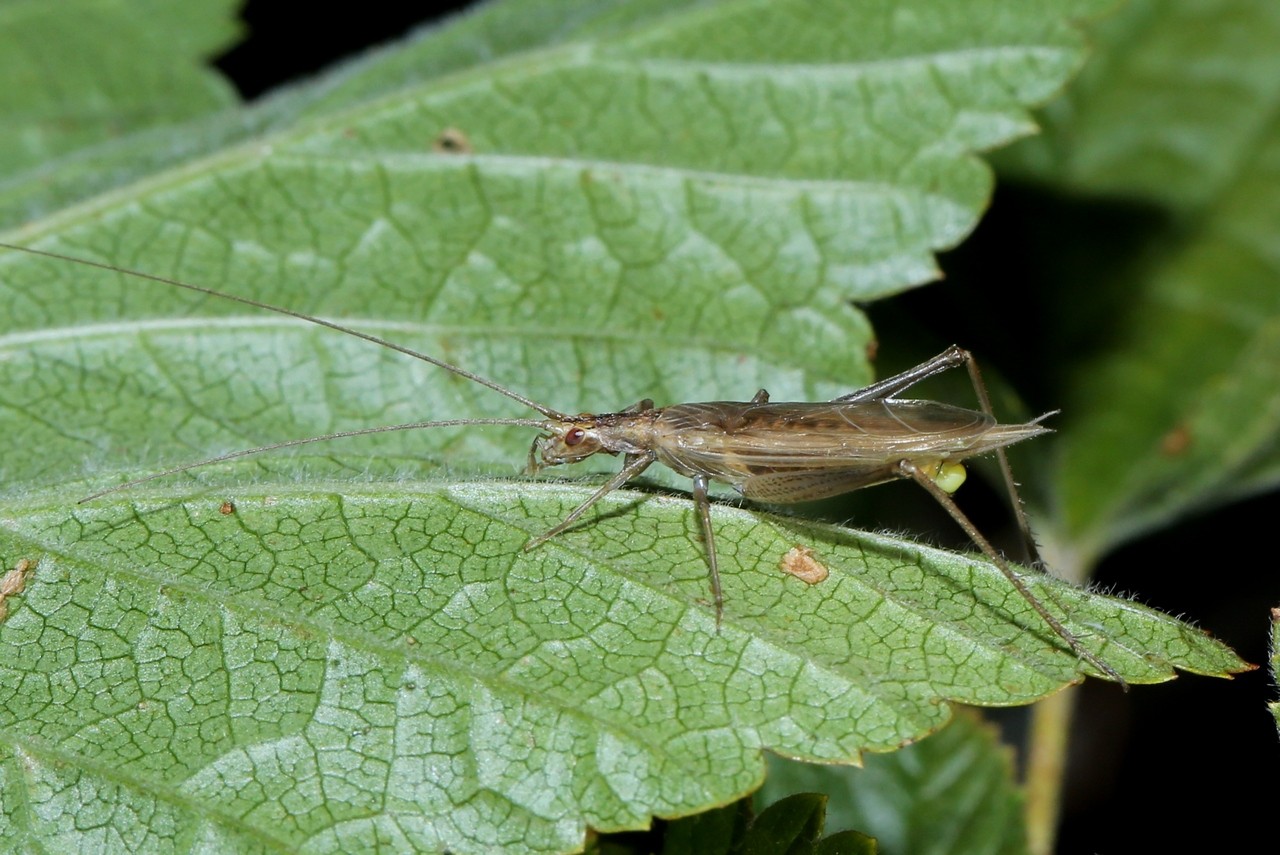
x=636 y=463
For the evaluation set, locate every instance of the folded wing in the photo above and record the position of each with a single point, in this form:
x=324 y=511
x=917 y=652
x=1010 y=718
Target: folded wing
x=792 y=452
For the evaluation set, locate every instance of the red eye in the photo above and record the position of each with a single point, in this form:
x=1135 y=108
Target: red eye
x=574 y=436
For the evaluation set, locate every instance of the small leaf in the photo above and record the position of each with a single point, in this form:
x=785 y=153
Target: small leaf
x=791 y=825
x=950 y=794
x=714 y=832
x=846 y=843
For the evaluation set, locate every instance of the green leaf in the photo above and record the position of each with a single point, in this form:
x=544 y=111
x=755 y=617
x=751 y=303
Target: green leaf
x=791 y=825
x=1174 y=102
x=713 y=832
x=951 y=793
x=327 y=656
x=846 y=843
x=80 y=76
x=348 y=648
x=1179 y=410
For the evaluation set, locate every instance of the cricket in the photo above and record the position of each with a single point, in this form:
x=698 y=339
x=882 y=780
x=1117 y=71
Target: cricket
x=768 y=452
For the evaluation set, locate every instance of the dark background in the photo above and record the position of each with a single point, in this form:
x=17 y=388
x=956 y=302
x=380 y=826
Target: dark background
x=1170 y=765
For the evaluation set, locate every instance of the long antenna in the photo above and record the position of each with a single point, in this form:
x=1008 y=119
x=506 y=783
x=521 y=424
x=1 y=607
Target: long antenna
x=235 y=455
x=311 y=319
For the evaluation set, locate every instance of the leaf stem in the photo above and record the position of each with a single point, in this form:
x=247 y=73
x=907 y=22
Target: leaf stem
x=1051 y=720
x=1046 y=768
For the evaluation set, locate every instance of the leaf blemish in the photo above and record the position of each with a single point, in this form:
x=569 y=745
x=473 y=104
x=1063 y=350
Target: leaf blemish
x=801 y=563
x=452 y=141
x=14 y=583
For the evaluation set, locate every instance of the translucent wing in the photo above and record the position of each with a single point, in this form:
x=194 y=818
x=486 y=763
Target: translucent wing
x=786 y=487
x=790 y=452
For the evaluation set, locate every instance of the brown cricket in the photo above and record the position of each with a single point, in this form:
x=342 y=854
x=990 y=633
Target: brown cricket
x=770 y=452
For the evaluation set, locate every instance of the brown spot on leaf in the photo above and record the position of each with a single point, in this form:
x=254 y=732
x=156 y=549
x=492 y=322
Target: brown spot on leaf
x=14 y=583
x=452 y=141
x=800 y=562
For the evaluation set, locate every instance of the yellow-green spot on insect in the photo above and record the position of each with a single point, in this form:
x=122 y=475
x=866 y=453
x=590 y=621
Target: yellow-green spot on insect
x=947 y=474
x=770 y=452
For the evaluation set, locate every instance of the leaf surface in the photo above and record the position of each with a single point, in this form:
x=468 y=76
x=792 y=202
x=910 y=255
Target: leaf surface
x=317 y=662
x=77 y=78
